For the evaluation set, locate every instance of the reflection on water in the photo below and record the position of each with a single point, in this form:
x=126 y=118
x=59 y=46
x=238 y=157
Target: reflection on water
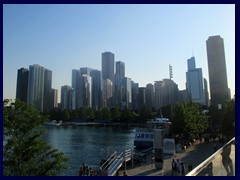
x=84 y=144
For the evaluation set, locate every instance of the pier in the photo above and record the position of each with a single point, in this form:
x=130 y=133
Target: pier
x=194 y=154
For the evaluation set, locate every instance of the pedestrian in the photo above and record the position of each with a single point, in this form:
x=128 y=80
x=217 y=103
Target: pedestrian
x=117 y=174
x=183 y=169
x=124 y=173
x=178 y=166
x=80 y=171
x=174 y=167
x=190 y=167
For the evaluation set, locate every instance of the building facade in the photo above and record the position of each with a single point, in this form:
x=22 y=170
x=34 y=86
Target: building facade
x=36 y=86
x=194 y=82
x=22 y=84
x=217 y=71
x=47 y=90
x=120 y=74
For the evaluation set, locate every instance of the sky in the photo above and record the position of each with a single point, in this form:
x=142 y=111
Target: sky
x=146 y=37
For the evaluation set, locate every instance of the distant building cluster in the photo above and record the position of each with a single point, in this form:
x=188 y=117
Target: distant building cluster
x=111 y=88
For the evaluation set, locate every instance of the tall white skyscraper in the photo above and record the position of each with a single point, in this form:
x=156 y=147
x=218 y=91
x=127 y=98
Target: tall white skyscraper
x=36 y=86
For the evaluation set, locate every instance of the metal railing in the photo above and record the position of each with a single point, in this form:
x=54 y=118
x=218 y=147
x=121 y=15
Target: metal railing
x=196 y=171
x=114 y=162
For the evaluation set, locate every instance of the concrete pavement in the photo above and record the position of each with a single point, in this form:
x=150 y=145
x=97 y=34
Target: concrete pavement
x=195 y=154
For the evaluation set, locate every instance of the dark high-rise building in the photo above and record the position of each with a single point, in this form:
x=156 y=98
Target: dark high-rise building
x=96 y=89
x=206 y=94
x=135 y=93
x=142 y=97
x=149 y=96
x=217 y=70
x=120 y=74
x=47 y=90
x=22 y=84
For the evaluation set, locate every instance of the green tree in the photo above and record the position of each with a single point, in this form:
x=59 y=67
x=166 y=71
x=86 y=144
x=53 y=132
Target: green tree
x=24 y=151
x=228 y=122
x=115 y=114
x=106 y=114
x=189 y=119
x=144 y=115
x=90 y=113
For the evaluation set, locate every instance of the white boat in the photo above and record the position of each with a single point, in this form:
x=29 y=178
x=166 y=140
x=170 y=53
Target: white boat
x=160 y=121
x=143 y=138
x=53 y=123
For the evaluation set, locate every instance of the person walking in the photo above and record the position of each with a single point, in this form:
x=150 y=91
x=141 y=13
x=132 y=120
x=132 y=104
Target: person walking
x=190 y=167
x=174 y=167
x=183 y=169
x=178 y=167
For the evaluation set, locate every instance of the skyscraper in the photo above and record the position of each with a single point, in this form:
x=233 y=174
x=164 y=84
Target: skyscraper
x=150 y=96
x=108 y=66
x=206 y=94
x=96 y=89
x=158 y=94
x=135 y=93
x=47 y=90
x=66 y=97
x=120 y=74
x=194 y=82
x=22 y=84
x=126 y=93
x=217 y=70
x=85 y=90
x=36 y=86
x=142 y=97
x=108 y=74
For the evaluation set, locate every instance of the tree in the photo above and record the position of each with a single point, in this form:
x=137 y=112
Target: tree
x=115 y=114
x=228 y=122
x=189 y=119
x=24 y=151
x=106 y=113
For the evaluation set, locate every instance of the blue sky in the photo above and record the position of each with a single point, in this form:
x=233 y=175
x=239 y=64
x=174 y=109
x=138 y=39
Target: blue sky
x=146 y=37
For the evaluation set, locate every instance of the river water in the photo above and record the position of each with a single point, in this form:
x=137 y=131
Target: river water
x=88 y=144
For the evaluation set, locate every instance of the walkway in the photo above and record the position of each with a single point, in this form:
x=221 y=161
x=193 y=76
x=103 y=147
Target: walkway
x=194 y=154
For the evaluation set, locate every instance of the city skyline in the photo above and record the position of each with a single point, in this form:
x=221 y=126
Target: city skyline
x=62 y=42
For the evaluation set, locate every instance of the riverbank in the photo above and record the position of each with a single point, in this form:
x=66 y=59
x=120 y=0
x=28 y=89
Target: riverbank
x=108 y=124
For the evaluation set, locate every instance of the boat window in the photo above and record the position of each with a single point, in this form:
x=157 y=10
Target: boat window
x=151 y=136
x=146 y=135
x=137 y=136
x=142 y=135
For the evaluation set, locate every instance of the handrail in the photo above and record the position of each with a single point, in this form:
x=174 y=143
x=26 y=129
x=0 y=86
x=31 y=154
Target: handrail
x=201 y=166
x=116 y=165
x=114 y=162
x=108 y=160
